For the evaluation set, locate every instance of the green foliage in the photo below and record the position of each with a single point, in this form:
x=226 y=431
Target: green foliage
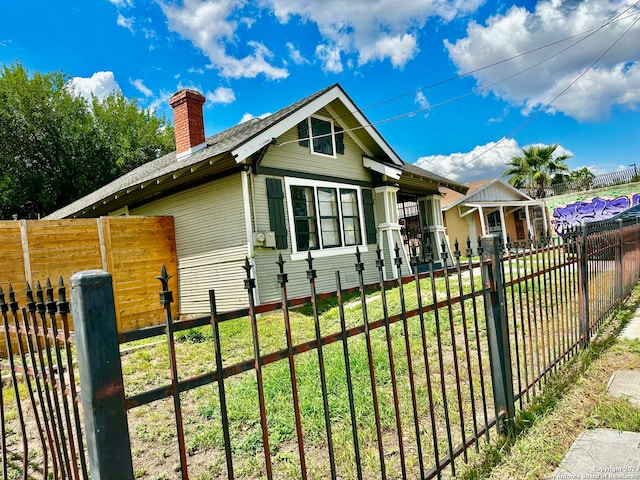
x=536 y=169
x=56 y=147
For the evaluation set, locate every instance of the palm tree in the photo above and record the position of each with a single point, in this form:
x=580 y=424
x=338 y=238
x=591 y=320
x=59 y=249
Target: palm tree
x=536 y=169
x=582 y=178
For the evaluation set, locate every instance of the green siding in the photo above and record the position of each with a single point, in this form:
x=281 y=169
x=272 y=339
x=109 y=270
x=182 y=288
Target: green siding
x=211 y=243
x=295 y=158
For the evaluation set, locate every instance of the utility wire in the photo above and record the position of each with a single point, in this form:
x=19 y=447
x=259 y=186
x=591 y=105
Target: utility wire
x=586 y=33
x=546 y=106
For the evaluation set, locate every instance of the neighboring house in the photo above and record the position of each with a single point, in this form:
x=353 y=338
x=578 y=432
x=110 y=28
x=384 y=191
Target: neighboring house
x=313 y=177
x=491 y=206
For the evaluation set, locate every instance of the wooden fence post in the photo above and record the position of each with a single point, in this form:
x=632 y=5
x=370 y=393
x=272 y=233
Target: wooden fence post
x=102 y=389
x=498 y=333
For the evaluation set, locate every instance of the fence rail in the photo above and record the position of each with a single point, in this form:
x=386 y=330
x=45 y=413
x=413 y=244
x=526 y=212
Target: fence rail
x=404 y=378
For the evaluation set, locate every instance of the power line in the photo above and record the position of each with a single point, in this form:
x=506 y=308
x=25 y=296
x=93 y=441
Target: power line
x=586 y=33
x=545 y=107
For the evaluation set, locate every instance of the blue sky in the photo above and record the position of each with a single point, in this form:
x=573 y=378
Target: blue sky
x=252 y=57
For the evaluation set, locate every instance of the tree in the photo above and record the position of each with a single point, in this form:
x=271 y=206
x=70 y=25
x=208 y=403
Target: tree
x=536 y=169
x=132 y=134
x=582 y=178
x=56 y=147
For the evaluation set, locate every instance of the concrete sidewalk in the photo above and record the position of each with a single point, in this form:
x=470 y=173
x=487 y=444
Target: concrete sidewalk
x=604 y=453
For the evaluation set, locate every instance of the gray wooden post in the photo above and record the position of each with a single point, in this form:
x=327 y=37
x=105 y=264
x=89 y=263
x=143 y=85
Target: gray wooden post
x=498 y=333
x=102 y=389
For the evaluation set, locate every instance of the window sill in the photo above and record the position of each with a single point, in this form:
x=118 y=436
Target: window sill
x=328 y=252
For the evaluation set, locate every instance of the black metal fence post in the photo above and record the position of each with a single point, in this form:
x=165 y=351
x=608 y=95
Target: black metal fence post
x=498 y=333
x=583 y=285
x=619 y=264
x=102 y=389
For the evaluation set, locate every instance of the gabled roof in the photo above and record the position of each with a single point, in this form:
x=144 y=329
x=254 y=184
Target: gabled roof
x=452 y=198
x=233 y=146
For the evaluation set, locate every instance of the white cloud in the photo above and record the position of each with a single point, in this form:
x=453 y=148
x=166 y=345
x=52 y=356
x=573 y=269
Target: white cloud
x=210 y=26
x=248 y=116
x=100 y=84
x=122 y=3
x=222 y=95
x=399 y=49
x=139 y=84
x=330 y=58
x=296 y=55
x=465 y=167
x=126 y=22
x=615 y=80
x=421 y=100
x=373 y=31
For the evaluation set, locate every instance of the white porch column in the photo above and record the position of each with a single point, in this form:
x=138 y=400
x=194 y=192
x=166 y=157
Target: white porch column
x=483 y=226
x=528 y=217
x=544 y=216
x=503 y=224
x=389 y=228
x=436 y=226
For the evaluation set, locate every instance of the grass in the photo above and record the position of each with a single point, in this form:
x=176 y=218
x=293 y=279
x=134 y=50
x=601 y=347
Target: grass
x=574 y=399
x=146 y=367
x=454 y=352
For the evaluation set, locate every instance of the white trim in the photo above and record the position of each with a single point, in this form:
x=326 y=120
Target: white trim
x=468 y=198
x=328 y=252
x=244 y=177
x=320 y=251
x=311 y=137
x=503 y=224
x=504 y=203
x=345 y=127
x=186 y=153
x=247 y=149
x=387 y=170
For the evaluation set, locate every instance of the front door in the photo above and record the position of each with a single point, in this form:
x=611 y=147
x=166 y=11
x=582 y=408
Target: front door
x=494 y=222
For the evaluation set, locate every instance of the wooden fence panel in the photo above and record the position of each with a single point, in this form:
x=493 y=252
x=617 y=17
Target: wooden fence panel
x=132 y=249
x=134 y=258
x=12 y=269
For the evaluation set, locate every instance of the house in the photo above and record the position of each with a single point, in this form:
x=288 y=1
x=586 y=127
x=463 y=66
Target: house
x=492 y=206
x=314 y=177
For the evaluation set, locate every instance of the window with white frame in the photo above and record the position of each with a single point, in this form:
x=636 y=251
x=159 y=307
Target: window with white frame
x=324 y=215
x=326 y=137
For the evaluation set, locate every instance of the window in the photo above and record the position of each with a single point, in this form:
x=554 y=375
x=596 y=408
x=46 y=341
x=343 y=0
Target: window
x=325 y=216
x=326 y=137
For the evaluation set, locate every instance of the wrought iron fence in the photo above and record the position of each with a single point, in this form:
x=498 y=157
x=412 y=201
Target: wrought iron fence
x=597 y=181
x=41 y=433
x=404 y=378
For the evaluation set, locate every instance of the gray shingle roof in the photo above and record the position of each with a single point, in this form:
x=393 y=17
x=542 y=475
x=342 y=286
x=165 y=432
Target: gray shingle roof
x=217 y=146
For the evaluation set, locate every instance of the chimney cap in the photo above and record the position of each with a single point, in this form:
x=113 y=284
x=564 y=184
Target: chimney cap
x=184 y=95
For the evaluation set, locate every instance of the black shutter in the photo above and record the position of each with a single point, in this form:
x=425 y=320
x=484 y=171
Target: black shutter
x=369 y=216
x=277 y=222
x=303 y=133
x=339 y=140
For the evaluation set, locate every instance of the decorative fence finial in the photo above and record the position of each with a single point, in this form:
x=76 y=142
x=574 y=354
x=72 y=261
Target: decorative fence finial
x=166 y=296
x=282 y=277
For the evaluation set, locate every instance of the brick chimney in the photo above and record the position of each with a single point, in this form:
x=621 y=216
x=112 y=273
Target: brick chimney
x=188 y=122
